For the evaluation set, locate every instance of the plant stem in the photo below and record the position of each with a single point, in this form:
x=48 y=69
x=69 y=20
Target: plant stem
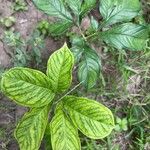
x=82 y=33
x=69 y=92
x=96 y=33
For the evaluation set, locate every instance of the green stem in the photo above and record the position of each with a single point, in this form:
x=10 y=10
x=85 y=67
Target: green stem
x=69 y=92
x=96 y=33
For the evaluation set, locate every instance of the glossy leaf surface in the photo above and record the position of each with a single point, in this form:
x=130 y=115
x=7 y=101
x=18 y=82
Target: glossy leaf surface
x=89 y=68
x=54 y=8
x=127 y=36
x=114 y=11
x=75 y=6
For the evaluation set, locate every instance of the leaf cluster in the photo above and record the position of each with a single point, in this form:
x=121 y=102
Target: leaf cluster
x=34 y=89
x=118 y=29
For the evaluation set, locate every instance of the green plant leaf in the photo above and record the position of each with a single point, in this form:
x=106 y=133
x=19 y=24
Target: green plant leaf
x=77 y=47
x=59 y=69
x=59 y=28
x=64 y=135
x=27 y=87
x=92 y=118
x=75 y=5
x=114 y=11
x=31 y=128
x=126 y=36
x=46 y=139
x=89 y=68
x=87 y=6
x=54 y=8
x=94 y=23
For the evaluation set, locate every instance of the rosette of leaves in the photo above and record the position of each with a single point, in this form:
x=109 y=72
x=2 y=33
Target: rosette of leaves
x=38 y=91
x=117 y=29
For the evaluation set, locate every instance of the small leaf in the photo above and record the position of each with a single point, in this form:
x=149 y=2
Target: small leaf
x=31 y=128
x=77 y=47
x=59 y=28
x=89 y=68
x=59 y=69
x=126 y=36
x=64 y=135
x=94 y=23
x=87 y=6
x=27 y=87
x=114 y=11
x=92 y=119
x=54 y=8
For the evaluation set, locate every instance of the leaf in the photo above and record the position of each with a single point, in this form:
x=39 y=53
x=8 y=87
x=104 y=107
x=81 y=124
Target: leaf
x=27 y=87
x=54 y=8
x=92 y=118
x=89 y=68
x=87 y=6
x=126 y=36
x=94 y=23
x=75 y=5
x=114 y=11
x=64 y=135
x=46 y=139
x=59 y=69
x=77 y=47
x=59 y=28
x=31 y=128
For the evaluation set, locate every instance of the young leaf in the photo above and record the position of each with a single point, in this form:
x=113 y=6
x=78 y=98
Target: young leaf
x=59 y=28
x=54 y=8
x=114 y=11
x=77 y=47
x=59 y=69
x=92 y=119
x=94 y=23
x=31 y=128
x=64 y=135
x=27 y=87
x=89 y=68
x=87 y=6
x=126 y=36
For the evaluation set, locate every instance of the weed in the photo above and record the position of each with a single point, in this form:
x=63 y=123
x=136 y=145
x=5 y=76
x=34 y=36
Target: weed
x=20 y=5
x=8 y=21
